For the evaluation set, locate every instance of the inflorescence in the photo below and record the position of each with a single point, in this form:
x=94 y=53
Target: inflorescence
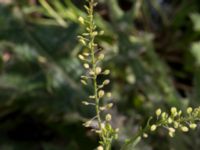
x=92 y=56
x=176 y=120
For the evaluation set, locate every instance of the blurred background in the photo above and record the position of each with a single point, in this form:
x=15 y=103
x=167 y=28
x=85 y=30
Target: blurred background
x=153 y=52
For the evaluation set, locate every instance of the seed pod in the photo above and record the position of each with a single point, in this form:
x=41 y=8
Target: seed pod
x=101 y=93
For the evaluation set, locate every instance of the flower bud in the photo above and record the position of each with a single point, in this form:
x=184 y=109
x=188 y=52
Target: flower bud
x=145 y=135
x=100 y=148
x=85 y=103
x=81 y=57
x=171 y=129
x=106 y=82
x=81 y=20
x=106 y=72
x=109 y=95
x=83 y=82
x=108 y=117
x=101 y=93
x=102 y=125
x=92 y=97
x=95 y=33
x=158 y=112
x=180 y=112
x=184 y=129
x=101 y=32
x=174 y=111
x=117 y=130
x=164 y=115
x=153 y=127
x=86 y=54
x=88 y=123
x=169 y=120
x=110 y=105
x=86 y=66
x=189 y=110
x=193 y=126
x=82 y=41
x=101 y=57
x=176 y=124
x=98 y=70
x=91 y=72
x=171 y=134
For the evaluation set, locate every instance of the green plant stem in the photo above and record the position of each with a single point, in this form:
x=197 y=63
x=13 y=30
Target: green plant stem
x=133 y=141
x=91 y=47
x=130 y=145
x=105 y=140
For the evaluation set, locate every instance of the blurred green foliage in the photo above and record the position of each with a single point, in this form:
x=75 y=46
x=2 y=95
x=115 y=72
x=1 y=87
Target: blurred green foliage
x=152 y=49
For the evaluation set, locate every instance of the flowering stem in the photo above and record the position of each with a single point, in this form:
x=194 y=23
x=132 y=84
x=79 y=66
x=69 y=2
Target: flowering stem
x=92 y=51
x=91 y=60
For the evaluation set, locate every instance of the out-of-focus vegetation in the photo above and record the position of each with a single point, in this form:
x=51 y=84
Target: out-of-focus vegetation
x=152 y=49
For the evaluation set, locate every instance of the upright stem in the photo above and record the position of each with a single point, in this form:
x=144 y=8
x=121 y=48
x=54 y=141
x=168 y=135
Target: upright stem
x=87 y=39
x=91 y=46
